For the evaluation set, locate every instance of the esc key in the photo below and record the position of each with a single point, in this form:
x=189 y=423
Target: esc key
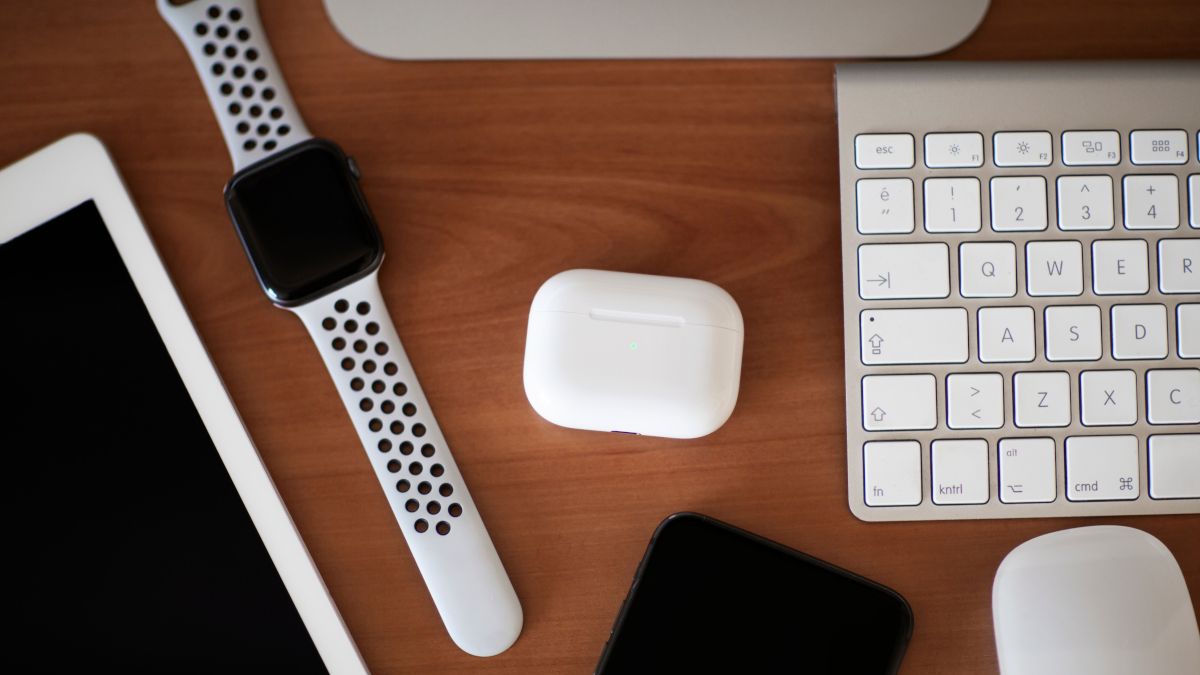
x=883 y=151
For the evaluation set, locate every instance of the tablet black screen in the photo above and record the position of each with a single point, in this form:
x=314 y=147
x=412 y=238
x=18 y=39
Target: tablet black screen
x=128 y=548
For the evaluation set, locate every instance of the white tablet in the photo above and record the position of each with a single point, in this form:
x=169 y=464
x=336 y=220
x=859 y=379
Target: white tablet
x=142 y=531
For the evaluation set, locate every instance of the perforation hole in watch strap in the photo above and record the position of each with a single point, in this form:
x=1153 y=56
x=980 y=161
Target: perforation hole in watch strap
x=401 y=442
x=247 y=97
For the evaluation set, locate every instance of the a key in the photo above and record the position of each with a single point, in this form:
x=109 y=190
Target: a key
x=1018 y=203
x=1188 y=327
x=953 y=151
x=1119 y=267
x=1073 y=333
x=1027 y=470
x=960 y=471
x=1005 y=334
x=1173 y=396
x=1179 y=265
x=891 y=271
x=1139 y=331
x=1158 y=146
x=1175 y=466
x=1054 y=267
x=1194 y=200
x=1042 y=399
x=895 y=402
x=952 y=205
x=975 y=401
x=1085 y=203
x=1151 y=202
x=895 y=336
x=1091 y=148
x=892 y=473
x=1022 y=148
x=987 y=270
x=1102 y=468
x=883 y=151
x=885 y=205
x=1109 y=397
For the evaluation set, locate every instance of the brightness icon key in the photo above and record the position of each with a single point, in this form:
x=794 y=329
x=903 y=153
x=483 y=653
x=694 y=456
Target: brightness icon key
x=1022 y=148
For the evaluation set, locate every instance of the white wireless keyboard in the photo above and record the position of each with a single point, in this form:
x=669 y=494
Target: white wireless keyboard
x=1021 y=274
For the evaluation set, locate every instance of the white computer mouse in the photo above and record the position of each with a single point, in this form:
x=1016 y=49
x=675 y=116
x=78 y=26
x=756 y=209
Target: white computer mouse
x=1101 y=600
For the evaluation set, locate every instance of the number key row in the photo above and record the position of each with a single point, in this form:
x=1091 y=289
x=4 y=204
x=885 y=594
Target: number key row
x=1019 y=204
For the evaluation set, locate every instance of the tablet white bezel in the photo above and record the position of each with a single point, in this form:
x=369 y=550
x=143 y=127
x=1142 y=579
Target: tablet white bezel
x=77 y=169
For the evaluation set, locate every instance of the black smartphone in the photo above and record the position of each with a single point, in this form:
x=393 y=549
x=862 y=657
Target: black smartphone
x=710 y=598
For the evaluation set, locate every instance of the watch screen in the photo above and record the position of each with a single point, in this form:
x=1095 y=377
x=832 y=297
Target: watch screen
x=303 y=222
x=712 y=599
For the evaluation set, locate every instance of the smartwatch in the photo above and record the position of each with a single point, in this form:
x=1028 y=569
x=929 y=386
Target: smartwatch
x=296 y=205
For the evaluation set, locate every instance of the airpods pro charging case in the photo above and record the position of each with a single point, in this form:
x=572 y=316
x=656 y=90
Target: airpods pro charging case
x=633 y=353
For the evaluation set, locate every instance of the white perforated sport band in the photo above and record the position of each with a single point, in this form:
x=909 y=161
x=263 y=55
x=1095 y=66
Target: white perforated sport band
x=444 y=531
x=360 y=347
x=244 y=85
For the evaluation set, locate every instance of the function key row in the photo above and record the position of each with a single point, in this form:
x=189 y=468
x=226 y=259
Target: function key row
x=1021 y=148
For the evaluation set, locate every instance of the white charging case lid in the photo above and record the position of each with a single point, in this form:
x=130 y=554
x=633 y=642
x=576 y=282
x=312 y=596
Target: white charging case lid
x=633 y=353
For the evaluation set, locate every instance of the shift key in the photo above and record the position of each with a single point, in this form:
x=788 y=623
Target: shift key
x=898 y=336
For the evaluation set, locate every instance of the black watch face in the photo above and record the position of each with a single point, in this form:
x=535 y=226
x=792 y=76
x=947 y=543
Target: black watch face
x=304 y=222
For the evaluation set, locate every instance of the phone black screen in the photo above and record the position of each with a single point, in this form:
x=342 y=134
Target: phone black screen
x=710 y=598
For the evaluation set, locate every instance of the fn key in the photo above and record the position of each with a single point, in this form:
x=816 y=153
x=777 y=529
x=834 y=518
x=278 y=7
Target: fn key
x=892 y=473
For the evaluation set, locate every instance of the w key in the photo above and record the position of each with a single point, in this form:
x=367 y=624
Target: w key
x=894 y=271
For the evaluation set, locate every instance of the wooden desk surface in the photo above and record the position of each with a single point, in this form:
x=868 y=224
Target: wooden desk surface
x=487 y=178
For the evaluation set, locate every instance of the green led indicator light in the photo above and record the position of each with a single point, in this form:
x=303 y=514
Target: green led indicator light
x=633 y=346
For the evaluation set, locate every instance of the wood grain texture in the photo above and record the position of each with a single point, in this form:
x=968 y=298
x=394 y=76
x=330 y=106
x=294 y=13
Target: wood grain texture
x=486 y=179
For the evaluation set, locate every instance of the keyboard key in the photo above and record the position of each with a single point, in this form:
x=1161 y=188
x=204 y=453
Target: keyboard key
x=883 y=151
x=1018 y=203
x=1054 y=267
x=1139 y=331
x=890 y=271
x=1175 y=466
x=897 y=336
x=1073 y=333
x=1005 y=334
x=1091 y=148
x=1101 y=468
x=1151 y=202
x=1021 y=148
x=975 y=401
x=953 y=151
x=1109 y=397
x=1158 y=146
x=885 y=206
x=892 y=473
x=1173 y=396
x=894 y=402
x=952 y=205
x=1188 y=327
x=1120 y=267
x=1085 y=203
x=1179 y=265
x=1042 y=399
x=987 y=270
x=960 y=471
x=1194 y=200
x=1027 y=470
